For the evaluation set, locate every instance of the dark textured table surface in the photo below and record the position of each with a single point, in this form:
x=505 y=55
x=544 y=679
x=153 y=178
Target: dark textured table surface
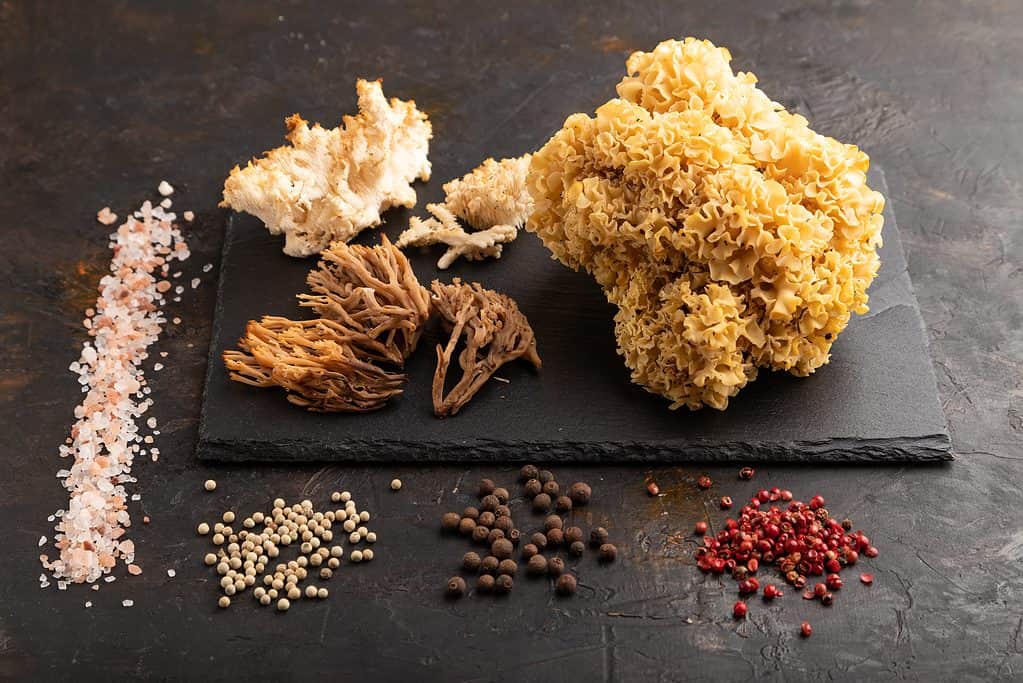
x=100 y=101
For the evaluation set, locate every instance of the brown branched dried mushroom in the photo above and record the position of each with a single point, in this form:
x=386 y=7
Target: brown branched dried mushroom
x=494 y=330
x=373 y=292
x=314 y=361
x=372 y=308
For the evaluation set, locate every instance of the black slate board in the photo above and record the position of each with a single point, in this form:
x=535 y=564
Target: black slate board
x=875 y=401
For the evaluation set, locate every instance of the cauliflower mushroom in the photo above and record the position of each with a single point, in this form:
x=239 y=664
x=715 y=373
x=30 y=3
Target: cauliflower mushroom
x=730 y=235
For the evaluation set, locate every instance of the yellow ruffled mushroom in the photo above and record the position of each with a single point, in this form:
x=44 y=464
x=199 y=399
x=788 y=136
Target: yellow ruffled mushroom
x=730 y=235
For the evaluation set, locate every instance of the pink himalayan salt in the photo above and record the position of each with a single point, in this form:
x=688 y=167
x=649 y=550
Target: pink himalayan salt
x=105 y=436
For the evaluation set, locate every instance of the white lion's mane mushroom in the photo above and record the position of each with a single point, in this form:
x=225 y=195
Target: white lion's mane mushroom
x=330 y=184
x=492 y=198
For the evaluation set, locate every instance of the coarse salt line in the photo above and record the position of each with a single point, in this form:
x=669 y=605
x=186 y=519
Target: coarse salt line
x=124 y=322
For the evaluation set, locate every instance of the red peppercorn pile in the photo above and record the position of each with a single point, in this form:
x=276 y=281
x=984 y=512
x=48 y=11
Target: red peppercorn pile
x=801 y=539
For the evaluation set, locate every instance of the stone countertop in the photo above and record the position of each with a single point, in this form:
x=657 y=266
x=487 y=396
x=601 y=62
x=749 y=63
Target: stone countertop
x=101 y=101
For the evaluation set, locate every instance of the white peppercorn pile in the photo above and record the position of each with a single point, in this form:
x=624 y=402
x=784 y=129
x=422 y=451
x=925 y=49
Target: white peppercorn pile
x=250 y=556
x=491 y=525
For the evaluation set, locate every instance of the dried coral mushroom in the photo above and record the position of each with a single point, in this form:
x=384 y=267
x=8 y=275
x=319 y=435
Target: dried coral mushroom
x=330 y=184
x=314 y=361
x=729 y=234
x=372 y=308
x=495 y=332
x=374 y=294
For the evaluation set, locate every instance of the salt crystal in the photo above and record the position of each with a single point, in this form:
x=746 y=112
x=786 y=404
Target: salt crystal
x=177 y=299
x=165 y=188
x=166 y=203
x=42 y=541
x=88 y=604
x=62 y=585
x=158 y=366
x=207 y=268
x=195 y=282
x=106 y=216
x=110 y=579
x=151 y=423
x=95 y=586
x=177 y=274
x=136 y=497
x=171 y=573
x=128 y=603
x=189 y=216
x=176 y=321
x=179 y=289
x=163 y=354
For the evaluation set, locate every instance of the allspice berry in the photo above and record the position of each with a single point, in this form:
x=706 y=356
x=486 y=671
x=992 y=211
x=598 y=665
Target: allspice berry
x=542 y=502
x=528 y=472
x=545 y=476
x=573 y=534
x=450 y=520
x=608 y=553
x=577 y=548
x=456 y=586
x=539 y=540
x=487 y=487
x=563 y=504
x=471 y=562
x=537 y=565
x=471 y=512
x=529 y=550
x=555 y=566
x=502 y=511
x=502 y=495
x=494 y=535
x=532 y=488
x=489 y=502
x=487 y=519
x=566 y=584
x=508 y=567
x=552 y=522
x=580 y=493
x=555 y=537
x=489 y=564
x=466 y=525
x=504 y=583
x=485 y=583
x=502 y=548
x=480 y=534
x=505 y=524
x=598 y=537
x=552 y=489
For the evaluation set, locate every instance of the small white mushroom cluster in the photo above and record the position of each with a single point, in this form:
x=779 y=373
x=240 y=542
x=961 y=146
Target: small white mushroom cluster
x=243 y=556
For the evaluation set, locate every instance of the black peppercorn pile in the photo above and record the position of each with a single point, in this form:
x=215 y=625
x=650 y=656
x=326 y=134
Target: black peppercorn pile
x=492 y=526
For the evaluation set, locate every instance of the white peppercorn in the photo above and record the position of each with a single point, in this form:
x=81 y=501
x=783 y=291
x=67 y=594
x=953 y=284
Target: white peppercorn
x=354 y=537
x=367 y=555
x=210 y=559
x=322 y=593
x=310 y=591
x=283 y=605
x=395 y=484
x=371 y=537
x=224 y=602
x=203 y=529
x=356 y=556
x=210 y=485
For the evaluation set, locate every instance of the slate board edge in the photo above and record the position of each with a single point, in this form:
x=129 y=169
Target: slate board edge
x=929 y=448
x=213 y=361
